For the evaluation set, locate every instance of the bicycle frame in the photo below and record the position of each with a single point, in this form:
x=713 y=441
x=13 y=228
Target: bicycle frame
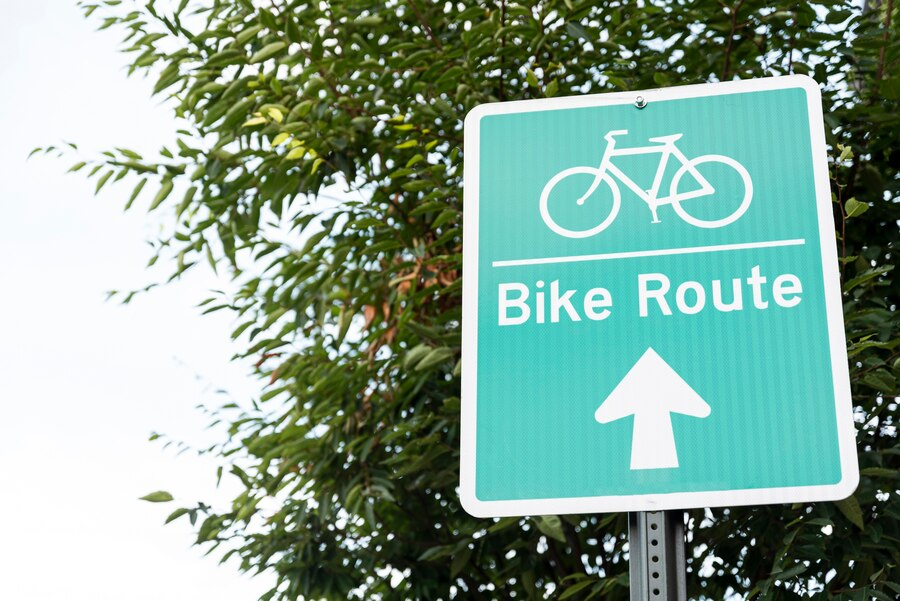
x=667 y=149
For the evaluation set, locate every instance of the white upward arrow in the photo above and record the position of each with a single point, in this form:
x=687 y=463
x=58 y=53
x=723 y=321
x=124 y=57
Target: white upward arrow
x=651 y=391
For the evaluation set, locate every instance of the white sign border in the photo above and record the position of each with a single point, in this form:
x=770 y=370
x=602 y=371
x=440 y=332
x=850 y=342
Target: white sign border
x=833 y=309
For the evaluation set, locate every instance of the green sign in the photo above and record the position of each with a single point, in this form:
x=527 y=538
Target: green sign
x=652 y=310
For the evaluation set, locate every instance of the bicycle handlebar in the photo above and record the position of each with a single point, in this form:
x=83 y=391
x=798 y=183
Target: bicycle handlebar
x=616 y=132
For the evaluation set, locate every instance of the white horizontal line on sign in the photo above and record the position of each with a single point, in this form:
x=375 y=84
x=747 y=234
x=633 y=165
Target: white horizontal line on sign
x=649 y=253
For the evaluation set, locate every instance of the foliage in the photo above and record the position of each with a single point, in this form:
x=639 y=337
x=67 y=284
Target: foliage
x=351 y=307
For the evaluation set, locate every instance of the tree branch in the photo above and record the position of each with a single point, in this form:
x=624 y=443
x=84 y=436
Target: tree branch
x=434 y=40
x=887 y=26
x=726 y=70
x=500 y=92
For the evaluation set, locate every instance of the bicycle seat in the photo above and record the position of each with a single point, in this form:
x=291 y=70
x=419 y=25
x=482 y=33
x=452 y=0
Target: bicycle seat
x=666 y=139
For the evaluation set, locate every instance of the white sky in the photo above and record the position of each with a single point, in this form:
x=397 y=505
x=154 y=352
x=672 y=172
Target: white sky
x=83 y=382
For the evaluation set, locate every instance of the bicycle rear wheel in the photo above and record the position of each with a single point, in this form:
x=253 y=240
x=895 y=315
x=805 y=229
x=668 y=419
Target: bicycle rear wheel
x=556 y=179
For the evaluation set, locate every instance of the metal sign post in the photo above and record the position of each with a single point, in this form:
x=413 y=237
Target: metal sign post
x=657 y=562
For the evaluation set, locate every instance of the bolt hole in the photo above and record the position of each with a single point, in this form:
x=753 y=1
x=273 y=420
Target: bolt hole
x=654 y=559
x=656 y=592
x=653 y=526
x=654 y=542
x=656 y=574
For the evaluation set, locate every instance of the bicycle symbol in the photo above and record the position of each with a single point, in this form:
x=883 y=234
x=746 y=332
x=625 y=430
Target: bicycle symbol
x=665 y=145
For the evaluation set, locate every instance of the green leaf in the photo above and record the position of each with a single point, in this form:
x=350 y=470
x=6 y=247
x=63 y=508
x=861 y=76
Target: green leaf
x=312 y=242
x=275 y=114
x=434 y=358
x=268 y=19
x=176 y=514
x=164 y=191
x=503 y=523
x=429 y=207
x=846 y=153
x=415 y=355
x=881 y=380
x=400 y=173
x=268 y=51
x=893 y=586
x=366 y=222
x=552 y=89
x=248 y=34
x=879 y=472
x=414 y=159
x=167 y=77
x=367 y=21
x=445 y=216
x=789 y=573
x=298 y=152
x=855 y=208
x=460 y=559
x=867 y=276
x=134 y=193
x=280 y=139
x=160 y=496
x=551 y=525
x=345 y=318
x=575 y=588
x=436 y=552
x=852 y=511
x=103 y=179
x=186 y=202
x=577 y=31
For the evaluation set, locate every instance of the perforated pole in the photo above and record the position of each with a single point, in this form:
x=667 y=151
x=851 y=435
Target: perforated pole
x=657 y=564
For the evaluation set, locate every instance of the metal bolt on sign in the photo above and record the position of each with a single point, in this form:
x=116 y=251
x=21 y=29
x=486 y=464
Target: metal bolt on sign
x=657 y=562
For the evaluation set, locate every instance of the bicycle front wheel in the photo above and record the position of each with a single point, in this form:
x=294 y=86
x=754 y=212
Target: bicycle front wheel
x=559 y=177
x=729 y=199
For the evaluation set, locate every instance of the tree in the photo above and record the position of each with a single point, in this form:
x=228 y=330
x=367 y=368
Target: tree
x=351 y=308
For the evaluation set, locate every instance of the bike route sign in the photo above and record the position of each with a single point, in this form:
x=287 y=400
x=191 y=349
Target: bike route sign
x=651 y=303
